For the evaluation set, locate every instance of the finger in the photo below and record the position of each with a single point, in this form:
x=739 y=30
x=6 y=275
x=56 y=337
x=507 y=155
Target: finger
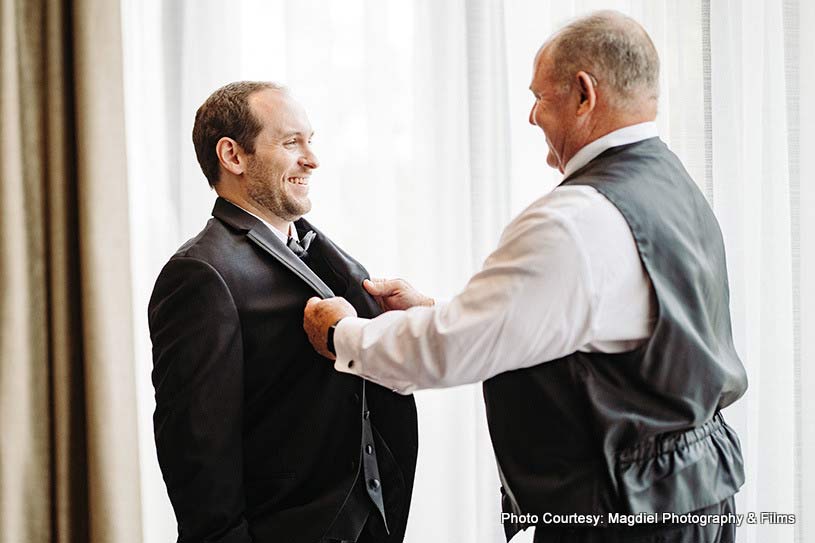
x=311 y=301
x=372 y=286
x=380 y=287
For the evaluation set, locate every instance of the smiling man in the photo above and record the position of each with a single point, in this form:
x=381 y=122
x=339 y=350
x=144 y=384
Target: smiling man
x=258 y=440
x=600 y=324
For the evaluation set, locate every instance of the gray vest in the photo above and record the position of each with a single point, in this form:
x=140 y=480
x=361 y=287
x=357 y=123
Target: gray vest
x=365 y=497
x=638 y=431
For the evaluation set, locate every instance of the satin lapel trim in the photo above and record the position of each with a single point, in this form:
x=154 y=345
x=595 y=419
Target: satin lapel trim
x=292 y=262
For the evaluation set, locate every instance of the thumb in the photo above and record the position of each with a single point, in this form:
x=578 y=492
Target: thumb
x=311 y=301
x=379 y=287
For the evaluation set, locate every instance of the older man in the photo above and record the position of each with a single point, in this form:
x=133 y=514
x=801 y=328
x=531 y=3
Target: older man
x=600 y=325
x=258 y=440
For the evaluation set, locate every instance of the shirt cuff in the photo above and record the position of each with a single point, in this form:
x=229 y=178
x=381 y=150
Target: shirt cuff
x=348 y=341
x=347 y=334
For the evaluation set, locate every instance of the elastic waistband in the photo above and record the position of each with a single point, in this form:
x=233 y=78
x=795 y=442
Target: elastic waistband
x=671 y=441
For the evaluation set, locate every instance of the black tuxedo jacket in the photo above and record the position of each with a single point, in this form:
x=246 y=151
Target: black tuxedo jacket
x=258 y=437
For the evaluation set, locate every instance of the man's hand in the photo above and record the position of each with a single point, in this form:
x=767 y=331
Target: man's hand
x=319 y=316
x=395 y=294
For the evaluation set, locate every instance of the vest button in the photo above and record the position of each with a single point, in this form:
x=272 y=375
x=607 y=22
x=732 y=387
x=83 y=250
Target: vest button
x=355 y=398
x=369 y=448
x=373 y=484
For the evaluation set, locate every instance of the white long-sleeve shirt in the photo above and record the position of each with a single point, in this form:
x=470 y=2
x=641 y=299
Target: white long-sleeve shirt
x=566 y=276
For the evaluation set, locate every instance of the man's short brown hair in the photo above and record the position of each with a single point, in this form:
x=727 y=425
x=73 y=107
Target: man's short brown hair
x=226 y=113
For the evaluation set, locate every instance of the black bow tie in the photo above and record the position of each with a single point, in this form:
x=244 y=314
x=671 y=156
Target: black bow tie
x=301 y=248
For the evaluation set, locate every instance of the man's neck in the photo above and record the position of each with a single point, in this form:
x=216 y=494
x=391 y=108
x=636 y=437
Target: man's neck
x=602 y=129
x=270 y=219
x=621 y=136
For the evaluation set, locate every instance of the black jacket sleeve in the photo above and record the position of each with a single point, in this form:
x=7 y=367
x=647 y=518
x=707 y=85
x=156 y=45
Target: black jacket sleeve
x=198 y=378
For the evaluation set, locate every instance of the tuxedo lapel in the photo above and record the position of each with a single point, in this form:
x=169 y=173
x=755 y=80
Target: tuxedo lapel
x=272 y=245
x=259 y=234
x=348 y=274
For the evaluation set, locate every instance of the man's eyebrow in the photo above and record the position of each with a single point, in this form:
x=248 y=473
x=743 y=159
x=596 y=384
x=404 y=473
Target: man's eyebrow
x=296 y=133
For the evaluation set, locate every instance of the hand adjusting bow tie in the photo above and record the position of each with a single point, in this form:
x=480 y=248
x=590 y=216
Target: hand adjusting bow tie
x=301 y=248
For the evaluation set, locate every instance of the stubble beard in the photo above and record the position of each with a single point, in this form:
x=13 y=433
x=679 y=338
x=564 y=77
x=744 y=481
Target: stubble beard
x=263 y=190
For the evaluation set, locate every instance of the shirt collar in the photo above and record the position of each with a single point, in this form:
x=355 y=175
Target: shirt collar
x=621 y=136
x=275 y=231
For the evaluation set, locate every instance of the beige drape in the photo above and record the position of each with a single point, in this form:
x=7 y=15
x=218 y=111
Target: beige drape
x=68 y=444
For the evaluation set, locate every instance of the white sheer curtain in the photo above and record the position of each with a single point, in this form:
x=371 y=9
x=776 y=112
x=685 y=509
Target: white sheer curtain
x=420 y=110
x=761 y=185
x=391 y=89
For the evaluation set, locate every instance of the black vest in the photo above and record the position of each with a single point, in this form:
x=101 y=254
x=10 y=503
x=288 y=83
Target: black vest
x=638 y=431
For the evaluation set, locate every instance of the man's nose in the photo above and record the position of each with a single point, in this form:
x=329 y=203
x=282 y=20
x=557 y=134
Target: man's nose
x=309 y=160
x=532 y=114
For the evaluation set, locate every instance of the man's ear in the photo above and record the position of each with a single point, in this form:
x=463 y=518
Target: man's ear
x=588 y=93
x=231 y=155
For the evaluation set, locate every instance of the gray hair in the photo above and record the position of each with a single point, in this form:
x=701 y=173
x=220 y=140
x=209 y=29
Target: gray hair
x=614 y=49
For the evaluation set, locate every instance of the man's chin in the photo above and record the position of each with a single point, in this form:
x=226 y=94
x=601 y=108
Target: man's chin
x=301 y=208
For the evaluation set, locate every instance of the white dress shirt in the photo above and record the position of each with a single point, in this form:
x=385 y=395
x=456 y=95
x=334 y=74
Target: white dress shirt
x=566 y=276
